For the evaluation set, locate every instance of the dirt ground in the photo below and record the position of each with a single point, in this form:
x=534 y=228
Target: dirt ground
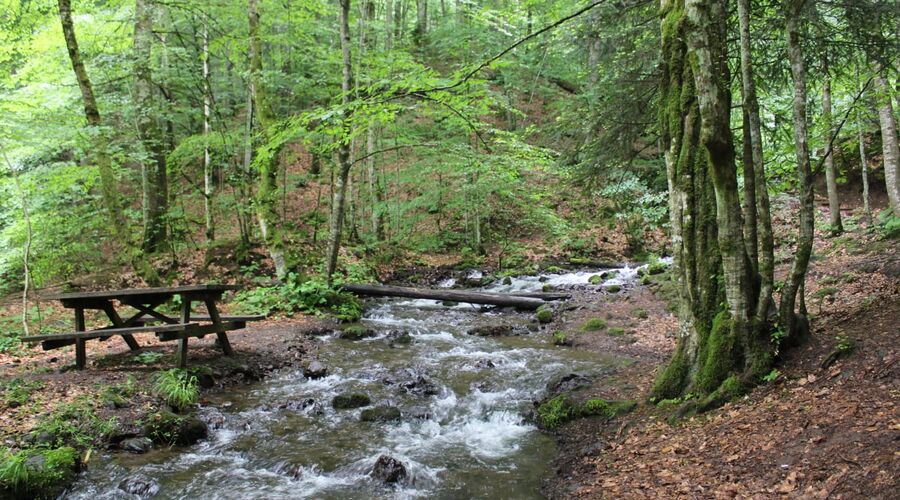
x=824 y=428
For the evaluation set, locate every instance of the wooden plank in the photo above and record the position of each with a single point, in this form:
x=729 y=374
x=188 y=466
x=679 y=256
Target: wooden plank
x=103 y=332
x=195 y=318
x=80 y=352
x=117 y=321
x=221 y=336
x=496 y=299
x=181 y=351
x=134 y=292
x=195 y=330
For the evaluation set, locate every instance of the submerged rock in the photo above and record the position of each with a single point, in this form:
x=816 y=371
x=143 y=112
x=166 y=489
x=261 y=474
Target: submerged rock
x=168 y=428
x=413 y=380
x=350 y=400
x=140 y=485
x=484 y=363
x=315 y=369
x=137 y=445
x=496 y=331
x=355 y=332
x=380 y=414
x=397 y=337
x=389 y=470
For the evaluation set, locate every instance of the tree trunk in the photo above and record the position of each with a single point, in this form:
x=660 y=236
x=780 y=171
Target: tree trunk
x=863 y=163
x=343 y=154
x=266 y=158
x=208 y=184
x=795 y=322
x=108 y=181
x=421 y=22
x=765 y=246
x=375 y=195
x=152 y=137
x=388 y=24
x=889 y=143
x=717 y=343
x=834 y=203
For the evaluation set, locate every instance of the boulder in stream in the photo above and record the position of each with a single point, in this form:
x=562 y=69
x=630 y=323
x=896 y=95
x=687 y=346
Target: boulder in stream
x=413 y=380
x=496 y=331
x=140 y=485
x=355 y=332
x=137 y=445
x=380 y=414
x=315 y=369
x=167 y=428
x=350 y=400
x=389 y=470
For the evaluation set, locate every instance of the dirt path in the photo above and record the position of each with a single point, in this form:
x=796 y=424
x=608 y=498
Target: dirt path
x=822 y=429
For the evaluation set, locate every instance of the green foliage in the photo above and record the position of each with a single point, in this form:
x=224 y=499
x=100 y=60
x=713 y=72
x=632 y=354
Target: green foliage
x=616 y=331
x=555 y=412
x=75 y=424
x=148 y=357
x=37 y=472
x=593 y=324
x=560 y=338
x=771 y=376
x=177 y=387
x=304 y=294
x=888 y=226
x=827 y=291
x=607 y=409
x=640 y=313
x=544 y=315
x=18 y=391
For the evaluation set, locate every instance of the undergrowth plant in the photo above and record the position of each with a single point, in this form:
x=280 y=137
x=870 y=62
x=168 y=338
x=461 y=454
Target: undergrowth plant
x=303 y=294
x=177 y=387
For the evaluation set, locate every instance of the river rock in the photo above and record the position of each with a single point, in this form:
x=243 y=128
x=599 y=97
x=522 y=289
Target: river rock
x=389 y=470
x=418 y=413
x=140 y=485
x=315 y=369
x=568 y=383
x=206 y=380
x=398 y=337
x=380 y=414
x=168 y=428
x=137 y=445
x=413 y=380
x=350 y=400
x=484 y=363
x=355 y=332
x=494 y=331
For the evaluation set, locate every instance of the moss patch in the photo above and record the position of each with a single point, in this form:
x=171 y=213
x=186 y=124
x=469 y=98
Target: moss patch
x=593 y=325
x=616 y=331
x=34 y=473
x=544 y=315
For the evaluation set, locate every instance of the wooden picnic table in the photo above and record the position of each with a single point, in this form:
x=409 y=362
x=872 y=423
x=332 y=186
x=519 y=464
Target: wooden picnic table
x=146 y=301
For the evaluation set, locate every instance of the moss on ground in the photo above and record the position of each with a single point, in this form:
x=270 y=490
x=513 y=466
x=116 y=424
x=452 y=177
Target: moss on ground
x=593 y=325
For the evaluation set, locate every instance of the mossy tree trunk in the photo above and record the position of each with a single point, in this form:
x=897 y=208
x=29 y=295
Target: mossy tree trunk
x=719 y=343
x=834 y=202
x=154 y=174
x=266 y=159
x=889 y=146
x=793 y=307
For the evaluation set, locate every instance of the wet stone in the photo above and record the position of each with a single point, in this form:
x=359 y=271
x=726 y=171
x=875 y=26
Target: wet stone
x=137 y=445
x=140 y=485
x=315 y=369
x=349 y=401
x=389 y=470
x=380 y=414
x=484 y=363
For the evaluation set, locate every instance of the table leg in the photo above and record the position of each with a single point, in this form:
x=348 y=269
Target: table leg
x=216 y=320
x=119 y=323
x=181 y=352
x=80 y=352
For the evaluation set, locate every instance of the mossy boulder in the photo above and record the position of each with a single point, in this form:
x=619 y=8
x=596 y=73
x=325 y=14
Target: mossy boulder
x=606 y=409
x=37 y=473
x=593 y=325
x=595 y=279
x=544 y=315
x=355 y=332
x=561 y=339
x=380 y=414
x=350 y=400
x=170 y=429
x=614 y=289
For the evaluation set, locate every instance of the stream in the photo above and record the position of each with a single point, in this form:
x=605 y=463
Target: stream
x=464 y=400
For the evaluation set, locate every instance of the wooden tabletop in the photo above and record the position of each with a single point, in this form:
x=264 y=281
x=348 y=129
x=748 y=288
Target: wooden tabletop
x=137 y=292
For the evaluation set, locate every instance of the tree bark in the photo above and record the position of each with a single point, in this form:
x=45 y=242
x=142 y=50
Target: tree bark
x=863 y=163
x=375 y=195
x=388 y=24
x=343 y=153
x=108 y=181
x=764 y=247
x=266 y=157
x=421 y=28
x=834 y=203
x=153 y=177
x=794 y=322
x=889 y=145
x=208 y=184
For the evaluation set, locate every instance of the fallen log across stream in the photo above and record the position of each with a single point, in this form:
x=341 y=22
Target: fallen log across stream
x=521 y=301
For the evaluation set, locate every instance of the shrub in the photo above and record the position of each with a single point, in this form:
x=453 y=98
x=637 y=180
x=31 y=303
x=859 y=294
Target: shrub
x=560 y=338
x=594 y=324
x=544 y=315
x=555 y=412
x=177 y=388
x=36 y=473
x=616 y=331
x=641 y=313
x=304 y=294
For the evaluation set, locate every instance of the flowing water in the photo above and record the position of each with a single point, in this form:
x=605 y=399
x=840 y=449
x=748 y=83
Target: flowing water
x=465 y=401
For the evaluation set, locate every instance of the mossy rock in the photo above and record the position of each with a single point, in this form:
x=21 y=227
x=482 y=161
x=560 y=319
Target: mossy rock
x=606 y=409
x=613 y=289
x=595 y=279
x=380 y=414
x=640 y=313
x=544 y=315
x=555 y=412
x=606 y=275
x=168 y=428
x=355 y=332
x=507 y=281
x=350 y=400
x=593 y=325
x=547 y=288
x=561 y=339
x=646 y=280
x=656 y=268
x=37 y=473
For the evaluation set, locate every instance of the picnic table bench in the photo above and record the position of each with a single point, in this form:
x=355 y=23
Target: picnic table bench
x=147 y=319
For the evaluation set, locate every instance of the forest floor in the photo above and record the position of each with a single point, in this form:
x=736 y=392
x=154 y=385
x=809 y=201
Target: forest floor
x=827 y=426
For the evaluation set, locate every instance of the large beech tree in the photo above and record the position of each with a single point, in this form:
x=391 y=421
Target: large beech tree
x=721 y=345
